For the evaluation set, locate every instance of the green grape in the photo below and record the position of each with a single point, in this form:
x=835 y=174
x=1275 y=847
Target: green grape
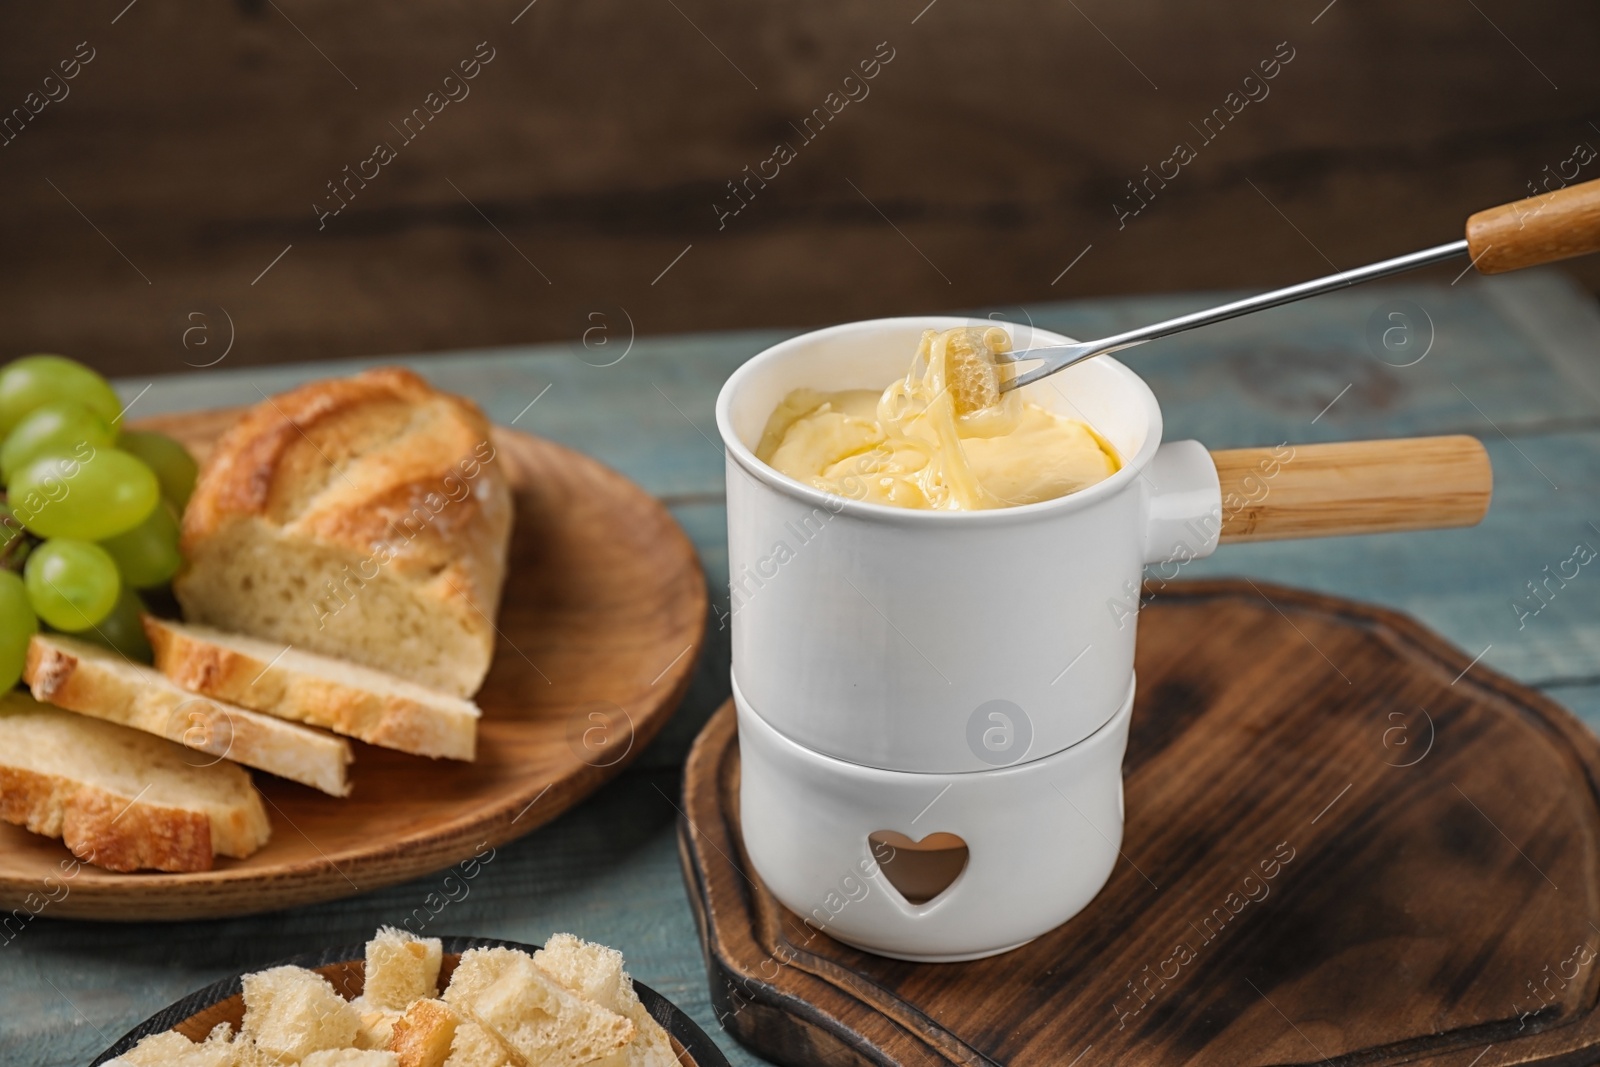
x=31 y=381
x=121 y=631
x=17 y=625
x=174 y=467
x=147 y=555
x=72 y=585
x=56 y=428
x=90 y=495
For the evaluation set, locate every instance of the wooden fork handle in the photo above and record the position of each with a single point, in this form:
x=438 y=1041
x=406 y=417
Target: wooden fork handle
x=1541 y=229
x=1354 y=487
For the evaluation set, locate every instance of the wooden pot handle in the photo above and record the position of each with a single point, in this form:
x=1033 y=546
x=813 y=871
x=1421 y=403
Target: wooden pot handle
x=1540 y=229
x=1354 y=487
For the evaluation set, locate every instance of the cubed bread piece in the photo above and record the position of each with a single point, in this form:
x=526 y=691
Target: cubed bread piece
x=595 y=971
x=290 y=1012
x=401 y=968
x=377 y=1026
x=588 y=969
x=378 y=707
x=171 y=1049
x=544 y=1022
x=350 y=1057
x=93 y=680
x=476 y=1046
x=423 y=1036
x=120 y=798
x=364 y=517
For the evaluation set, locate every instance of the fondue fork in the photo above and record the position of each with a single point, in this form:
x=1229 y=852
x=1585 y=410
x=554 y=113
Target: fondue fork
x=1540 y=229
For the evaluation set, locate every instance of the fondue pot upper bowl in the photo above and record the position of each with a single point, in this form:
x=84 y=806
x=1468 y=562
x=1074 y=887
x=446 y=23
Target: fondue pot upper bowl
x=947 y=641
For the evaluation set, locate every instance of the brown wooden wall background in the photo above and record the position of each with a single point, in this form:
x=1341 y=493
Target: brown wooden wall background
x=589 y=153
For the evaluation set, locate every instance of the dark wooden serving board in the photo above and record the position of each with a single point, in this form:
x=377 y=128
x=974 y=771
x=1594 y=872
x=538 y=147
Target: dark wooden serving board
x=1439 y=902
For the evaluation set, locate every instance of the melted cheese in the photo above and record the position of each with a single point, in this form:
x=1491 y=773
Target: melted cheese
x=911 y=447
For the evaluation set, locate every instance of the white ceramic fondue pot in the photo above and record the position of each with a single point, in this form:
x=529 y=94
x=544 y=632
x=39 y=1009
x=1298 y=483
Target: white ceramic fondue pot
x=981 y=663
x=873 y=634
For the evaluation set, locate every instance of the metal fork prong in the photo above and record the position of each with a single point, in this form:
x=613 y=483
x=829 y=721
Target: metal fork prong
x=1041 y=371
x=1015 y=357
x=1054 y=357
x=1028 y=354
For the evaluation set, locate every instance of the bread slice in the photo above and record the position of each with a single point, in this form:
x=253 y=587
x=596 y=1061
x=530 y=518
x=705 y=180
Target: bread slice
x=364 y=517
x=374 y=706
x=596 y=972
x=501 y=990
x=96 y=681
x=291 y=1012
x=423 y=1036
x=119 y=798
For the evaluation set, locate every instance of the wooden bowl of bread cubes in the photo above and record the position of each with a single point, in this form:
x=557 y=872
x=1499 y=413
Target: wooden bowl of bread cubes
x=397 y=637
x=405 y=1001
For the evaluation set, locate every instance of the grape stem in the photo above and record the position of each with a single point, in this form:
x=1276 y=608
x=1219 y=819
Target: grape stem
x=15 y=541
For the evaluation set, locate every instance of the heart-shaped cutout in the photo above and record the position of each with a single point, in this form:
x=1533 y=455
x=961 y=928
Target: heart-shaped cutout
x=919 y=870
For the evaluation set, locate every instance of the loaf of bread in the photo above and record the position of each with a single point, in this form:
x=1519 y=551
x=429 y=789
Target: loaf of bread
x=363 y=517
x=95 y=681
x=375 y=706
x=119 y=798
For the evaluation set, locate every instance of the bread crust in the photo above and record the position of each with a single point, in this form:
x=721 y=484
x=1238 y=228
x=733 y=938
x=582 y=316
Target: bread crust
x=362 y=464
x=58 y=673
x=389 y=720
x=119 y=798
x=103 y=828
x=422 y=1036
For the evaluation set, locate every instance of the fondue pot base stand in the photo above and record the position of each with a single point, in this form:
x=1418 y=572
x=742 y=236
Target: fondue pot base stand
x=1344 y=841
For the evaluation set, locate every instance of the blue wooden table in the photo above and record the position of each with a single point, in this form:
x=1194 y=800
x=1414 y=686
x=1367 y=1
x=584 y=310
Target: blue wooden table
x=1514 y=360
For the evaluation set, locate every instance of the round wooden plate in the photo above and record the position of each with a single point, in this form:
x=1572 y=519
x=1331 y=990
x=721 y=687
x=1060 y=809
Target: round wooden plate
x=600 y=625
x=223 y=1002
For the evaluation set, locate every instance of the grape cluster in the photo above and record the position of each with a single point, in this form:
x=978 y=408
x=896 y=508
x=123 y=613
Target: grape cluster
x=90 y=514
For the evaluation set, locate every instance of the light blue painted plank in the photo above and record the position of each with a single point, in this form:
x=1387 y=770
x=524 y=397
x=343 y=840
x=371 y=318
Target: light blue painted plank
x=1582 y=700
x=1252 y=381
x=1464 y=582
x=1559 y=314
x=649 y=416
x=1268 y=377
x=707 y=527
